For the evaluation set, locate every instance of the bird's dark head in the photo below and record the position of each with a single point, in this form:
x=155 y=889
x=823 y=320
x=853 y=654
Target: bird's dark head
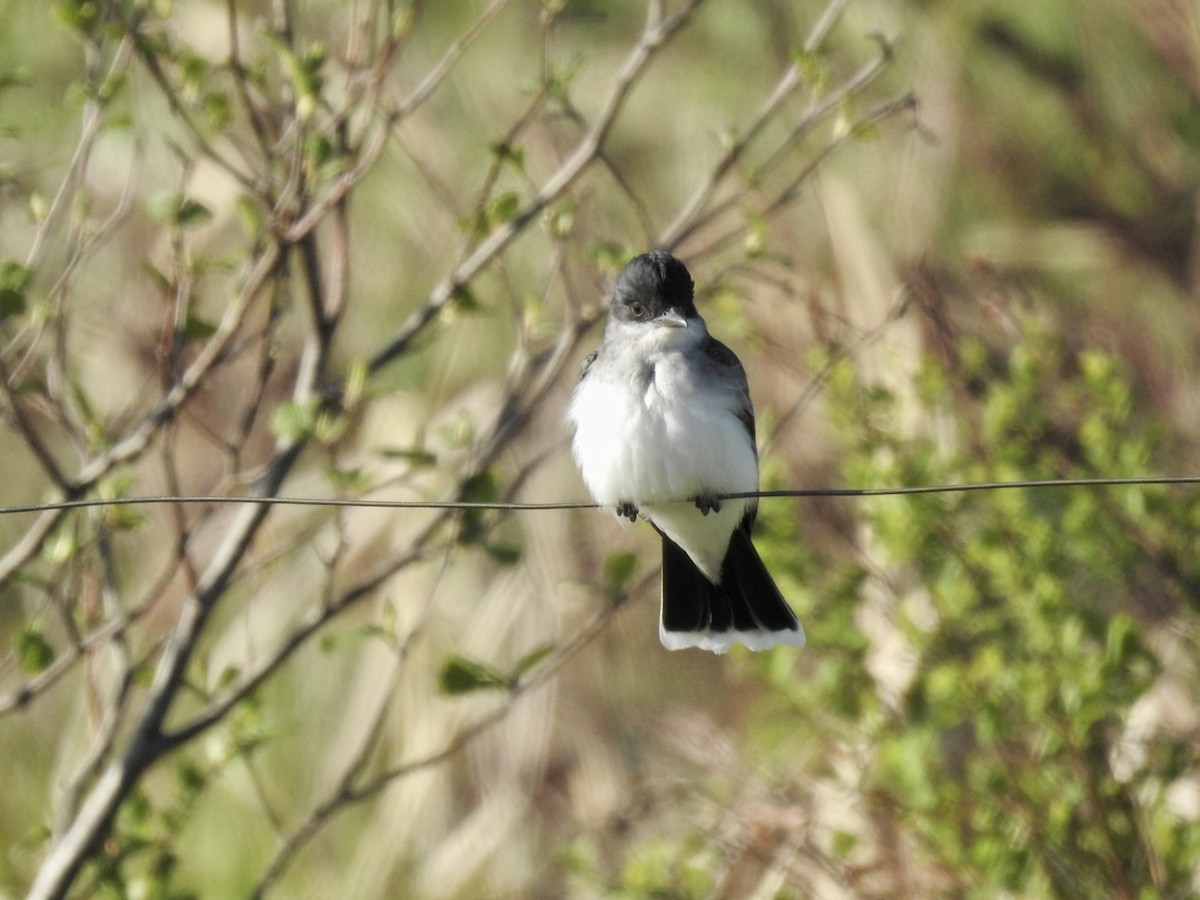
x=654 y=287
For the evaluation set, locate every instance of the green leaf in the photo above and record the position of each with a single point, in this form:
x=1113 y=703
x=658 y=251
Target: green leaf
x=481 y=488
x=137 y=807
x=503 y=207
x=189 y=780
x=14 y=280
x=33 y=651
x=143 y=675
x=122 y=517
x=844 y=843
x=173 y=208
x=318 y=152
x=248 y=215
x=609 y=257
x=813 y=69
x=866 y=131
x=618 y=569
x=505 y=554
x=61 y=546
x=509 y=154
x=193 y=71
x=354 y=383
x=80 y=15
x=228 y=676
x=402 y=22
x=158 y=275
x=459 y=432
x=417 y=457
x=330 y=426
x=531 y=659
x=192 y=213
x=197 y=329
x=559 y=220
x=1121 y=641
x=462 y=676
x=39 y=208
x=250 y=724
x=294 y=421
x=371 y=630
x=463 y=300
x=218 y=110
x=353 y=480
x=304 y=72
x=21 y=76
x=755 y=241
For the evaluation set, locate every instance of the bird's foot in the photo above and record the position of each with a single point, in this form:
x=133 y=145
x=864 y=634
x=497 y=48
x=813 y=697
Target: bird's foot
x=627 y=510
x=707 y=503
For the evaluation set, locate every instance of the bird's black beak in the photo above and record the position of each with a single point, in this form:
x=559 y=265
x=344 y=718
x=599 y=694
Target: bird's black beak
x=672 y=319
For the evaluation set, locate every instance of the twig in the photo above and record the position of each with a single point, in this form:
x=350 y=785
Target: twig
x=136 y=441
x=348 y=793
x=373 y=148
x=657 y=32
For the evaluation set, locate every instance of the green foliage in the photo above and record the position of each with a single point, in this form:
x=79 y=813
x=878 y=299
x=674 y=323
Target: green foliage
x=34 y=653
x=461 y=675
x=609 y=257
x=618 y=570
x=81 y=15
x=196 y=328
x=499 y=209
x=173 y=208
x=294 y=421
x=315 y=181
x=304 y=72
x=348 y=480
x=1028 y=647
x=143 y=853
x=656 y=868
x=14 y=280
x=484 y=487
x=417 y=457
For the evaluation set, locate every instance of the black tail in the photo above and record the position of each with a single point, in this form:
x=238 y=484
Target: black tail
x=746 y=607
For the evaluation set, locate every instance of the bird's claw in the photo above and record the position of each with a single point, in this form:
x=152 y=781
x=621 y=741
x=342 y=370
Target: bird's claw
x=627 y=510
x=707 y=503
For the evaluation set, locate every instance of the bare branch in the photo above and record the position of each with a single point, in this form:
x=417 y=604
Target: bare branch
x=277 y=348
x=656 y=34
x=348 y=794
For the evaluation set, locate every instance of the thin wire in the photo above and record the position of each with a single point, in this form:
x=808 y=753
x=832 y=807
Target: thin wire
x=588 y=504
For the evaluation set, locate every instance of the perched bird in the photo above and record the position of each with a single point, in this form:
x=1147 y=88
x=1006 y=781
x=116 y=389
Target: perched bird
x=663 y=426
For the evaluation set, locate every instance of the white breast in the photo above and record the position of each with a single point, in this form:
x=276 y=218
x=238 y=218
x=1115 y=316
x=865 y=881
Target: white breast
x=651 y=440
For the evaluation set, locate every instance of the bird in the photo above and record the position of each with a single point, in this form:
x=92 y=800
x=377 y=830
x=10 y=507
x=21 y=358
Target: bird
x=663 y=426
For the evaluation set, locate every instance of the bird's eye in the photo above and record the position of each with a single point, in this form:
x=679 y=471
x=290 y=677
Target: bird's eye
x=636 y=310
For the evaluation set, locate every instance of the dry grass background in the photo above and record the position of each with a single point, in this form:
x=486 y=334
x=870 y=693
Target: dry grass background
x=1051 y=167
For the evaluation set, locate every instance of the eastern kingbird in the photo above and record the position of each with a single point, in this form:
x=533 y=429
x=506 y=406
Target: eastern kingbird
x=663 y=426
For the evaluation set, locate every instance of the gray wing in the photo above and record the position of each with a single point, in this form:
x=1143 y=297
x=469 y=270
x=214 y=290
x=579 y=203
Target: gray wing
x=728 y=368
